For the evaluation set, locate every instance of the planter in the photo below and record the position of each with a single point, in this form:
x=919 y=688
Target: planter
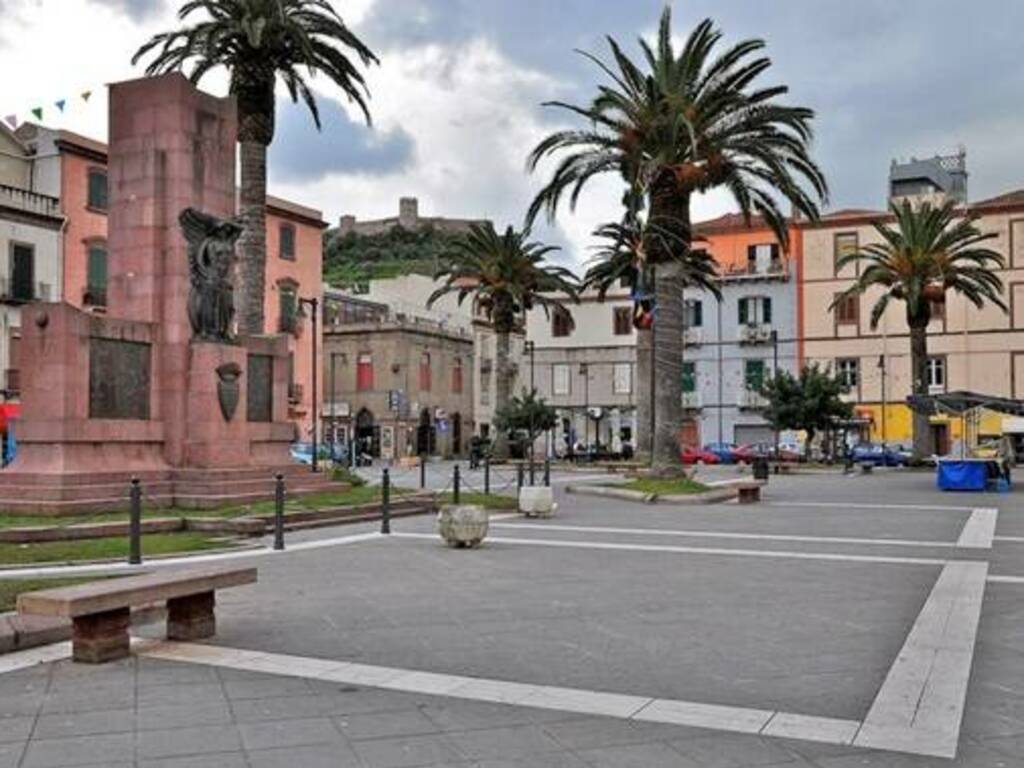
x=462 y=525
x=537 y=501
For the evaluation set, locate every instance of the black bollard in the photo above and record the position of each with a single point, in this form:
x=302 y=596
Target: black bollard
x=135 y=523
x=487 y=476
x=531 y=472
x=455 y=484
x=519 y=477
x=385 y=501
x=547 y=473
x=279 y=512
x=423 y=471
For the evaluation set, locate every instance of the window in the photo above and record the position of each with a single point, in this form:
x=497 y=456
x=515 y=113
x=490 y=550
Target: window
x=560 y=381
x=23 y=267
x=623 y=321
x=848 y=310
x=844 y=244
x=425 y=372
x=755 y=310
x=753 y=374
x=364 y=372
x=287 y=322
x=97 y=192
x=848 y=372
x=689 y=376
x=561 y=322
x=96 y=276
x=693 y=313
x=457 y=376
x=936 y=372
x=287 y=237
x=622 y=379
x=937 y=309
x=762 y=258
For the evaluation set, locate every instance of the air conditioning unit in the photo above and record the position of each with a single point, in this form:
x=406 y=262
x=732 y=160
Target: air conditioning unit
x=691 y=400
x=692 y=337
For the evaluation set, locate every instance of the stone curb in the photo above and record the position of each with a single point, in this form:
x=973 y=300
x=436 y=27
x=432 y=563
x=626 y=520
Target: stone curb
x=610 y=493
x=26 y=630
x=714 y=496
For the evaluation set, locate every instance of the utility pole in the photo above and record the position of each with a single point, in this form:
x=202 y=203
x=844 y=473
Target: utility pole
x=775 y=375
x=881 y=365
x=313 y=304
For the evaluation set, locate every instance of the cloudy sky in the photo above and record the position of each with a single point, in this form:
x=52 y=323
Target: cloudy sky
x=457 y=98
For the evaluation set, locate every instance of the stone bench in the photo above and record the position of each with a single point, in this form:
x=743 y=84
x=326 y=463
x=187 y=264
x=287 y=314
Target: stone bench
x=100 y=611
x=866 y=467
x=749 y=493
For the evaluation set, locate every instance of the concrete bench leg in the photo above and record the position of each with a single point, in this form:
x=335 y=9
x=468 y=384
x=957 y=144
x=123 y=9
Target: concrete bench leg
x=101 y=637
x=749 y=496
x=191 y=618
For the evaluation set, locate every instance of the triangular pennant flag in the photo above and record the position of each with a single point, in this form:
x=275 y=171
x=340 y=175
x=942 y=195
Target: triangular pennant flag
x=86 y=95
x=60 y=104
x=12 y=120
x=38 y=112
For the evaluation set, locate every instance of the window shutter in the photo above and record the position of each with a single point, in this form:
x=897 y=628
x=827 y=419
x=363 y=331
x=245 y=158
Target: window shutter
x=766 y=310
x=743 y=311
x=97 y=269
x=698 y=314
x=775 y=251
x=751 y=253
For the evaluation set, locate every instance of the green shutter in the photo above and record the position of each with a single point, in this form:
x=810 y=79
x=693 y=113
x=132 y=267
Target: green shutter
x=753 y=374
x=767 y=310
x=743 y=311
x=698 y=314
x=96 y=277
x=689 y=377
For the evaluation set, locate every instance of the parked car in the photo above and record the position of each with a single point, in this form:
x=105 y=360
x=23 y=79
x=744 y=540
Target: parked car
x=785 y=452
x=303 y=452
x=692 y=454
x=745 y=454
x=726 y=452
x=878 y=455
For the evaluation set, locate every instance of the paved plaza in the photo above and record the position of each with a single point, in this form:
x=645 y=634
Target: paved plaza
x=845 y=621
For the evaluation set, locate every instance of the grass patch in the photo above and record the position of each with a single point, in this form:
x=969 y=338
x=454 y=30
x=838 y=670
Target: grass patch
x=664 y=486
x=107 y=549
x=11 y=588
x=492 y=501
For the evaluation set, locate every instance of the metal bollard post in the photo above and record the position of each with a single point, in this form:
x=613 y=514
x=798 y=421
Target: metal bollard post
x=455 y=484
x=423 y=471
x=519 y=477
x=547 y=473
x=135 y=523
x=385 y=501
x=532 y=477
x=487 y=476
x=279 y=512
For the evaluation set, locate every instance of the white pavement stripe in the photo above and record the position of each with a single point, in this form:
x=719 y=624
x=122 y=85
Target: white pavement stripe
x=1005 y=579
x=726 y=535
x=1015 y=539
x=771 y=553
x=603 y=703
x=920 y=705
x=979 y=529
x=167 y=562
x=858 y=505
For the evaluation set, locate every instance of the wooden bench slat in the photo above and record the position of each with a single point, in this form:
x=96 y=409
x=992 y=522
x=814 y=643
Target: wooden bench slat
x=96 y=597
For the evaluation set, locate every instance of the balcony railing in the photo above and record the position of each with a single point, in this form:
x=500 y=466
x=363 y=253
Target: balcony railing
x=691 y=401
x=752 y=400
x=752 y=271
x=12 y=381
x=18 y=292
x=693 y=337
x=755 y=333
x=288 y=323
x=95 y=296
x=29 y=202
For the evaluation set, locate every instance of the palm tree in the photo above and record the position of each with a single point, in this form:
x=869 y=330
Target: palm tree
x=678 y=125
x=931 y=251
x=507 y=275
x=259 y=41
x=621 y=258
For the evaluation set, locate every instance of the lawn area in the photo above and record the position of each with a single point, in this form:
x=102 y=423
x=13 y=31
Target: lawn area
x=492 y=501
x=108 y=549
x=11 y=588
x=664 y=486
x=356 y=495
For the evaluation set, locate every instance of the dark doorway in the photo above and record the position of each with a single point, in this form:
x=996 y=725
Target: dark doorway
x=367 y=434
x=457 y=433
x=426 y=435
x=940 y=438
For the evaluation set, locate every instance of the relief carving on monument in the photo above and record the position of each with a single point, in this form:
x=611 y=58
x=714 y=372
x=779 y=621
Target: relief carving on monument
x=211 y=257
x=228 y=389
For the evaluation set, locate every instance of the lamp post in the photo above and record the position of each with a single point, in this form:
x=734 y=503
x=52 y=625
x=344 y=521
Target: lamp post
x=529 y=347
x=314 y=306
x=585 y=373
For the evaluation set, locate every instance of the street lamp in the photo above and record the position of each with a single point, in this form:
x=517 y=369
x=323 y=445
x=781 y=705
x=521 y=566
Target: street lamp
x=314 y=305
x=529 y=346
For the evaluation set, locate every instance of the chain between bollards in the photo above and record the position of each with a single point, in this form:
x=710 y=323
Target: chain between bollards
x=279 y=512
x=135 y=523
x=455 y=484
x=385 y=501
x=487 y=475
x=547 y=473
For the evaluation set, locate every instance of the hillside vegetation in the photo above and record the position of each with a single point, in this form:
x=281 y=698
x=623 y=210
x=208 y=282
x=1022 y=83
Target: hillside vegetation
x=352 y=258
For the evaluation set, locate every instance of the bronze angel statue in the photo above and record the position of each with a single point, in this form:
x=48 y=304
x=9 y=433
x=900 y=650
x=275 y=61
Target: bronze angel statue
x=211 y=257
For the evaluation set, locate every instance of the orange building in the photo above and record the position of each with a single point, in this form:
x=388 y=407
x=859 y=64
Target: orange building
x=74 y=169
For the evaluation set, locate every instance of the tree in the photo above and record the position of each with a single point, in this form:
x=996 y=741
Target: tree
x=507 y=276
x=811 y=402
x=259 y=41
x=678 y=125
x=622 y=258
x=527 y=414
x=931 y=251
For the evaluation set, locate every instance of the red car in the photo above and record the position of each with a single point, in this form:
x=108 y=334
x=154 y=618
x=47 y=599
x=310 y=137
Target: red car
x=744 y=454
x=691 y=454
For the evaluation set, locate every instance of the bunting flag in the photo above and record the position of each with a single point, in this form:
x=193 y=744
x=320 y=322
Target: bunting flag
x=63 y=105
x=86 y=95
x=60 y=104
x=12 y=120
x=38 y=112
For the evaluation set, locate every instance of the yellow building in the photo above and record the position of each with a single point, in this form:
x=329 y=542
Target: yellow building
x=980 y=350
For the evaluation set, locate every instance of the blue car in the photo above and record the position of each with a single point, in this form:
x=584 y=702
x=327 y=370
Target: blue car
x=878 y=455
x=726 y=452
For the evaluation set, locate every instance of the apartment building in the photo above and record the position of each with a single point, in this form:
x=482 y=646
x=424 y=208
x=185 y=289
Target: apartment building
x=62 y=166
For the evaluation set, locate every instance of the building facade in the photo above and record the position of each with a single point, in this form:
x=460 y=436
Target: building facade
x=397 y=383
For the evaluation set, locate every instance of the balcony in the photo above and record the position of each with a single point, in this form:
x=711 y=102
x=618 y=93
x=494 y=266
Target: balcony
x=295 y=392
x=752 y=401
x=12 y=382
x=95 y=296
x=755 y=333
x=693 y=337
x=777 y=269
x=691 y=401
x=29 y=202
x=288 y=323
x=18 y=292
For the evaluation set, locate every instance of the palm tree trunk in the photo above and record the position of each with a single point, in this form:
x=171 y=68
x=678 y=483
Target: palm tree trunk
x=502 y=389
x=668 y=366
x=644 y=410
x=919 y=387
x=253 y=242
